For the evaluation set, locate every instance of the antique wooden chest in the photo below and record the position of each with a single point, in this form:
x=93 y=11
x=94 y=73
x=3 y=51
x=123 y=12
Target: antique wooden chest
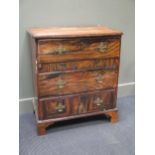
x=75 y=72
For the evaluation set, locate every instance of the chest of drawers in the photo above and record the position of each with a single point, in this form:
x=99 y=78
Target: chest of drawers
x=75 y=72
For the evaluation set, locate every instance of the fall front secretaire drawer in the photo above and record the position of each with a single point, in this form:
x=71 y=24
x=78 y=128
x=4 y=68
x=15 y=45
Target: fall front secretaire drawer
x=77 y=49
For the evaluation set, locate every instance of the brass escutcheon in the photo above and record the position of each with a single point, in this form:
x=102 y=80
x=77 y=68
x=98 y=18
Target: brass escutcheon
x=102 y=47
x=60 y=83
x=100 y=78
x=60 y=107
x=98 y=101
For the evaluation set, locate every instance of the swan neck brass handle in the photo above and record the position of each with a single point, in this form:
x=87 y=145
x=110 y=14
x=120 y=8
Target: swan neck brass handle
x=99 y=78
x=98 y=101
x=102 y=47
x=60 y=83
x=60 y=107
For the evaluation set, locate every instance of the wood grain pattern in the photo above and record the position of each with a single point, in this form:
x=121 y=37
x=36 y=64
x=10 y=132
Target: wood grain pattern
x=72 y=46
x=75 y=72
x=105 y=100
x=77 y=50
x=76 y=82
x=63 y=32
x=84 y=103
x=56 y=108
x=81 y=65
x=43 y=124
x=78 y=56
x=87 y=102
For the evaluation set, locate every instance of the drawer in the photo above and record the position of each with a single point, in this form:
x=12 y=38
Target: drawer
x=78 y=104
x=69 y=83
x=55 y=108
x=112 y=63
x=77 y=49
x=93 y=102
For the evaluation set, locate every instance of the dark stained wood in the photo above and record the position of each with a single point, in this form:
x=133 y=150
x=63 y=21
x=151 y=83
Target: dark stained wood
x=41 y=128
x=78 y=56
x=74 y=46
x=78 y=116
x=56 y=108
x=38 y=107
x=82 y=65
x=102 y=101
x=84 y=103
x=43 y=124
x=75 y=72
x=77 y=94
x=63 y=32
x=62 y=84
x=59 y=51
x=93 y=102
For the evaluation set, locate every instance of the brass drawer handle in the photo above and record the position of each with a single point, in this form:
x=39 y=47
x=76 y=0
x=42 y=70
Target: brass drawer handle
x=60 y=107
x=98 y=101
x=102 y=47
x=100 y=78
x=61 y=49
x=60 y=83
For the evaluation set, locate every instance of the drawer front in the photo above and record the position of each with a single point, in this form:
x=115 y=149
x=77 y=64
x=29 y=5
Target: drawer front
x=93 y=102
x=69 y=83
x=112 y=63
x=78 y=104
x=77 y=49
x=55 y=108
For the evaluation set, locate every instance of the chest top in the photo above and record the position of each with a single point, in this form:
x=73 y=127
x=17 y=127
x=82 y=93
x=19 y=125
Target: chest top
x=59 y=32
